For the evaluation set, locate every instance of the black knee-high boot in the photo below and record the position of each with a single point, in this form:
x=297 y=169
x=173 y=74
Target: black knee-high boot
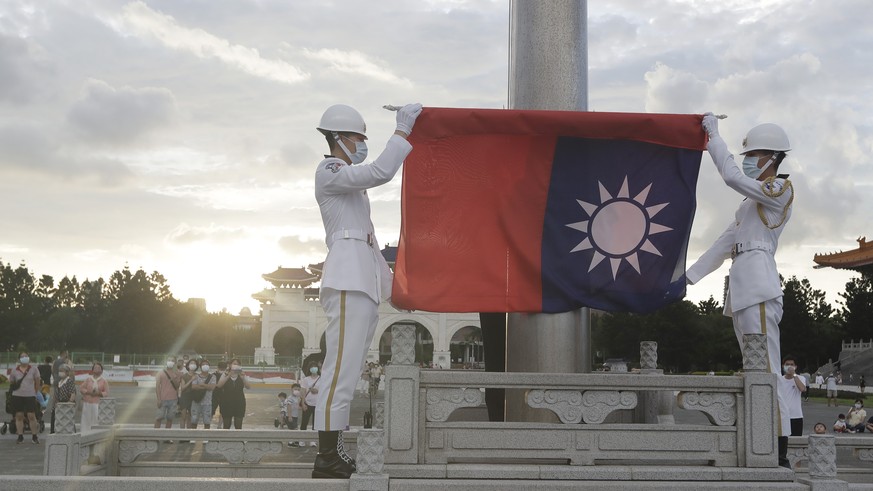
x=783 y=452
x=331 y=461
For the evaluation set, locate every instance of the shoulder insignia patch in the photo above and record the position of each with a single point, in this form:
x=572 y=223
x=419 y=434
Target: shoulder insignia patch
x=334 y=166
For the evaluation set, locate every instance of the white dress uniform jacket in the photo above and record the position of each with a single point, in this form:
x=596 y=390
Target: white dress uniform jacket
x=354 y=260
x=753 y=275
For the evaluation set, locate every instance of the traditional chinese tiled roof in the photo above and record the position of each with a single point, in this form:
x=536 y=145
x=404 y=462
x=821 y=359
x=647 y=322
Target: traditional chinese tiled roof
x=264 y=295
x=294 y=277
x=390 y=254
x=860 y=259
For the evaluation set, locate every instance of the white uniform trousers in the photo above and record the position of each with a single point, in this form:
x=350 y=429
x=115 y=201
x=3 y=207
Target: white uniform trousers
x=352 y=317
x=764 y=318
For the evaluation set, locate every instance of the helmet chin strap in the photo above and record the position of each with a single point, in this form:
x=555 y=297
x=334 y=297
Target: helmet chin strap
x=768 y=163
x=337 y=138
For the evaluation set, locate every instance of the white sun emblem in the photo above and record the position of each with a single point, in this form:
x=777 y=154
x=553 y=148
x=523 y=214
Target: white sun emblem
x=619 y=227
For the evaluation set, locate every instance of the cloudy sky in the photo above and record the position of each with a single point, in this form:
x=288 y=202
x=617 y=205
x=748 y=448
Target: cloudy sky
x=178 y=135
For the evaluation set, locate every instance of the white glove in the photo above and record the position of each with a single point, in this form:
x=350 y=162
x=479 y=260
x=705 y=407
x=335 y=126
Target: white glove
x=406 y=117
x=710 y=124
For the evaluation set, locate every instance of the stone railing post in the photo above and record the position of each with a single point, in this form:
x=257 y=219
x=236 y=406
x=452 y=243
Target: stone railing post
x=379 y=415
x=648 y=355
x=822 y=458
x=402 y=379
x=759 y=447
x=655 y=406
x=370 y=475
x=106 y=411
x=62 y=454
x=65 y=417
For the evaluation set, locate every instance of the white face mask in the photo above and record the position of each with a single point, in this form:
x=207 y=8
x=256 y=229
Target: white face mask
x=750 y=166
x=360 y=151
x=788 y=368
x=171 y=364
x=192 y=367
x=205 y=368
x=313 y=370
x=295 y=392
x=24 y=360
x=857 y=406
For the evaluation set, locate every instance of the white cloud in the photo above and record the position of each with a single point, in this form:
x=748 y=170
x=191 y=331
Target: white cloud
x=118 y=116
x=24 y=70
x=139 y=20
x=356 y=63
x=673 y=91
x=187 y=234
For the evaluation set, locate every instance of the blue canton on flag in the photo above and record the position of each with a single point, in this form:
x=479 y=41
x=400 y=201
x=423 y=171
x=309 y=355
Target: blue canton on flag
x=617 y=222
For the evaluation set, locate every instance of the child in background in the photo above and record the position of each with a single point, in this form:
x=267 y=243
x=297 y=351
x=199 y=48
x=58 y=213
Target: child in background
x=840 y=424
x=283 y=410
x=293 y=403
x=819 y=429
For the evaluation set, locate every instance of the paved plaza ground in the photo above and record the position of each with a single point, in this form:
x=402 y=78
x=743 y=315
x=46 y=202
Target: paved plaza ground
x=135 y=405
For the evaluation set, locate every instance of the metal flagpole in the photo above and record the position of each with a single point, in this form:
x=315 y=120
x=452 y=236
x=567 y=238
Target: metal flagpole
x=548 y=69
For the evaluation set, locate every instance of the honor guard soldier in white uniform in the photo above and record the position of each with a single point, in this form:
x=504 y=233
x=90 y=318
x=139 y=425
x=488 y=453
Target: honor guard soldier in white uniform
x=355 y=276
x=754 y=296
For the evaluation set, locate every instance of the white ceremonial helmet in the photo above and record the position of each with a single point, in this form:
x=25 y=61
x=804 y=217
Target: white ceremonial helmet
x=766 y=136
x=341 y=118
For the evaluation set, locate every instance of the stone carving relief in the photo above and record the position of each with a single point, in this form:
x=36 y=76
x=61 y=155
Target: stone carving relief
x=441 y=402
x=573 y=406
x=106 y=411
x=371 y=451
x=403 y=344
x=598 y=404
x=796 y=455
x=129 y=450
x=822 y=456
x=65 y=417
x=379 y=415
x=719 y=407
x=243 y=452
x=566 y=404
x=754 y=352
x=648 y=355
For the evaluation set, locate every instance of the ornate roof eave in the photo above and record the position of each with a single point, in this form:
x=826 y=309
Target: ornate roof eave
x=264 y=295
x=861 y=257
x=298 y=277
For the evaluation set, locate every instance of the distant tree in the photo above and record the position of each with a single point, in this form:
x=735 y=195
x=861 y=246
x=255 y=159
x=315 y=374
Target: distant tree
x=686 y=340
x=67 y=292
x=59 y=329
x=709 y=306
x=807 y=330
x=855 y=319
x=93 y=304
x=20 y=308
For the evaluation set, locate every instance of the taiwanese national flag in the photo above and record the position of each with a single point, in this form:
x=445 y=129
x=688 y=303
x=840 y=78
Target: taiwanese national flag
x=546 y=211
